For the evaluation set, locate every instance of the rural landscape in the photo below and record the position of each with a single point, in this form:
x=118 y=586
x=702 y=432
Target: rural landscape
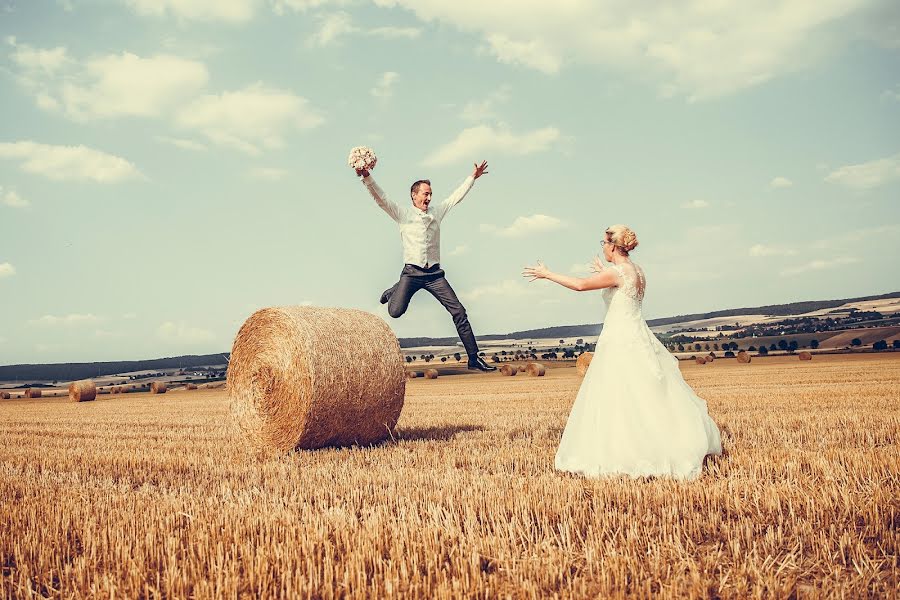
x=414 y=299
x=146 y=494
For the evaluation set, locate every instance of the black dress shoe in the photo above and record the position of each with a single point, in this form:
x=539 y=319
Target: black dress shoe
x=386 y=296
x=477 y=364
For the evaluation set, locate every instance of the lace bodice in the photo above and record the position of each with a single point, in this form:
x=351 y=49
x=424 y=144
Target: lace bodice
x=632 y=285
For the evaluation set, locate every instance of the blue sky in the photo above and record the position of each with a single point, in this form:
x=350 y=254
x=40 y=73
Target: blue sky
x=169 y=166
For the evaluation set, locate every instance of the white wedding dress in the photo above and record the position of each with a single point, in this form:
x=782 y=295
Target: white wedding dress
x=634 y=414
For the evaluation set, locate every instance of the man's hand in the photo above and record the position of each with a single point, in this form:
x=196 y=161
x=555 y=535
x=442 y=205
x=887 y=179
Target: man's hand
x=362 y=173
x=480 y=170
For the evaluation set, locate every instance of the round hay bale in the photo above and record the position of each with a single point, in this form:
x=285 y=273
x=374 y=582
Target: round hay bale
x=158 y=387
x=411 y=374
x=292 y=387
x=710 y=357
x=805 y=355
x=743 y=357
x=5 y=395
x=584 y=360
x=82 y=391
x=430 y=374
x=535 y=369
x=190 y=386
x=509 y=370
x=521 y=368
x=701 y=360
x=33 y=393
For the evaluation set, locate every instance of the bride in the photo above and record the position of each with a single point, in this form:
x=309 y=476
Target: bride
x=634 y=413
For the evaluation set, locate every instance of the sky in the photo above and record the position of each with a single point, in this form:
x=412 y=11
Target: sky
x=167 y=167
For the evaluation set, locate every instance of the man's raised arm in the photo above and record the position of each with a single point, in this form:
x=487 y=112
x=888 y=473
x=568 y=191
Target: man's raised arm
x=460 y=193
x=378 y=194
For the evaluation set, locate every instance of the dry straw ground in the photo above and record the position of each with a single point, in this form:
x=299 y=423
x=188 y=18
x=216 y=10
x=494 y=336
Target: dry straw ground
x=153 y=496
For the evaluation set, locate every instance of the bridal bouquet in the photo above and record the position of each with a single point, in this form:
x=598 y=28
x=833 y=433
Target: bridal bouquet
x=362 y=158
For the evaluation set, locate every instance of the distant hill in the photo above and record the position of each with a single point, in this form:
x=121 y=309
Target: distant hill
x=566 y=331
x=72 y=371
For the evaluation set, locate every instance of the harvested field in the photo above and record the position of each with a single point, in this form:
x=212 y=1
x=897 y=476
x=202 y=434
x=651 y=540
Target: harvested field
x=158 y=496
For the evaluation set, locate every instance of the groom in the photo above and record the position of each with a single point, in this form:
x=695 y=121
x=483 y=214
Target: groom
x=420 y=232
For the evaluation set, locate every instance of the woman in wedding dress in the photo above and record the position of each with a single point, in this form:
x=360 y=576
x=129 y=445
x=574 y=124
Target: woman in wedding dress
x=634 y=414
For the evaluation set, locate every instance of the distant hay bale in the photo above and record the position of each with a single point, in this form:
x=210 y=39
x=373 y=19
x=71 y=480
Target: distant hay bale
x=411 y=374
x=583 y=362
x=509 y=370
x=430 y=374
x=5 y=395
x=293 y=387
x=710 y=357
x=535 y=369
x=82 y=391
x=521 y=368
x=32 y=393
x=158 y=387
x=805 y=355
x=701 y=360
x=190 y=386
x=743 y=357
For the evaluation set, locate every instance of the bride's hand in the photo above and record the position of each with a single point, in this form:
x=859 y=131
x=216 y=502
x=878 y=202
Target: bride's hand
x=539 y=271
x=597 y=266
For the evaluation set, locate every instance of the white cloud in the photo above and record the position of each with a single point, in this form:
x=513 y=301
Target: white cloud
x=129 y=85
x=74 y=163
x=523 y=226
x=384 y=88
x=282 y=6
x=486 y=109
x=476 y=142
x=409 y=33
x=234 y=11
x=12 y=198
x=267 y=174
x=781 y=182
x=695 y=204
x=107 y=86
x=6 y=270
x=256 y=116
x=181 y=143
x=509 y=288
x=867 y=175
x=70 y=319
x=697 y=49
x=182 y=333
x=819 y=265
x=461 y=249
x=767 y=250
x=891 y=95
x=331 y=28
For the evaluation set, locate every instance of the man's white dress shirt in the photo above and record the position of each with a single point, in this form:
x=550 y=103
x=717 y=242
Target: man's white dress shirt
x=420 y=231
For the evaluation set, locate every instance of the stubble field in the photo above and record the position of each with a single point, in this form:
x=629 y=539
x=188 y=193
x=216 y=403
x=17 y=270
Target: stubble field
x=157 y=496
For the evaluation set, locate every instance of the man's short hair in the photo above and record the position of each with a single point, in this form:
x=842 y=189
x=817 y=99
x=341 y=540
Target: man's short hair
x=415 y=187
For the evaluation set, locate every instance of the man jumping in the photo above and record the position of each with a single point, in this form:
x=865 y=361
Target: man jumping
x=420 y=232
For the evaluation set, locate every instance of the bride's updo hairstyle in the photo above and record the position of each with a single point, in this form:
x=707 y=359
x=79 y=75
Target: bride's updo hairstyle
x=622 y=237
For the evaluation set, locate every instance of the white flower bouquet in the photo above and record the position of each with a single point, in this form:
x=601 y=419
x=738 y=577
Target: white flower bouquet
x=362 y=158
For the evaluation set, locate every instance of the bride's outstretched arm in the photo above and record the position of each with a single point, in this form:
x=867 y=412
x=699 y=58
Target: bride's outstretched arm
x=604 y=279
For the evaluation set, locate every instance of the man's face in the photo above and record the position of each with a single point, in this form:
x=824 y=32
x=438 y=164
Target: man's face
x=422 y=196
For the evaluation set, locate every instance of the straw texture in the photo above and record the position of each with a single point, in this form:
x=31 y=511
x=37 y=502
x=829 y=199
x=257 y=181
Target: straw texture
x=805 y=356
x=293 y=386
x=82 y=391
x=743 y=357
x=509 y=370
x=584 y=360
x=158 y=387
x=535 y=369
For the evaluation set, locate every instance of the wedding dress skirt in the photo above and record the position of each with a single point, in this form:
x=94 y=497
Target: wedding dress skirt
x=634 y=414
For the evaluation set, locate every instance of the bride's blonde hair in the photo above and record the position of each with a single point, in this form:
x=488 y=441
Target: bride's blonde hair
x=622 y=237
